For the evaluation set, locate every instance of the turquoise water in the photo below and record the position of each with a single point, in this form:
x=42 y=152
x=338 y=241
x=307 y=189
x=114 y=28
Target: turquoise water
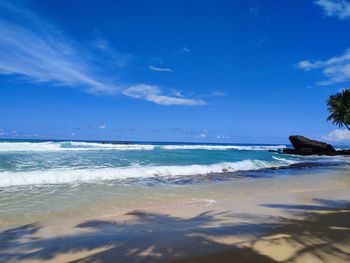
x=50 y=179
x=25 y=163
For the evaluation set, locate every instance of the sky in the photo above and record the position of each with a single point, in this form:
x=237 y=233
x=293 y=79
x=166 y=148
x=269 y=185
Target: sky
x=174 y=70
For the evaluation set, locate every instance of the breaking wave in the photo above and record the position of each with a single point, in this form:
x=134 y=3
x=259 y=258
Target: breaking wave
x=69 y=146
x=224 y=147
x=92 y=146
x=64 y=176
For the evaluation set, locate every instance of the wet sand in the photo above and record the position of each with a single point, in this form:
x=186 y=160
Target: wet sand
x=292 y=219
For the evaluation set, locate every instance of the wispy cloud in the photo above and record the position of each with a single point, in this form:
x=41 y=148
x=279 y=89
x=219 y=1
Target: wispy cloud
x=102 y=126
x=38 y=51
x=336 y=8
x=336 y=69
x=158 y=60
x=41 y=53
x=109 y=54
x=177 y=93
x=183 y=50
x=160 y=69
x=338 y=136
x=203 y=134
x=153 y=93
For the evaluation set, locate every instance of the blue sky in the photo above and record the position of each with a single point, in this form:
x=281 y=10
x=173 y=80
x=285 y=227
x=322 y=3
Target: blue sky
x=206 y=71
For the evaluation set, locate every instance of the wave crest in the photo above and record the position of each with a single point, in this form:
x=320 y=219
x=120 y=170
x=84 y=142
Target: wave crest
x=64 y=176
x=69 y=146
x=224 y=147
x=93 y=146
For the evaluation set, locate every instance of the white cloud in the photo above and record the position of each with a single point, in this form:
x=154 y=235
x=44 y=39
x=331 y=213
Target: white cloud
x=335 y=69
x=185 y=49
x=182 y=51
x=201 y=136
x=41 y=53
x=338 y=136
x=337 y=8
x=153 y=93
x=177 y=93
x=36 y=50
x=306 y=65
x=160 y=69
x=108 y=54
x=158 y=60
x=103 y=126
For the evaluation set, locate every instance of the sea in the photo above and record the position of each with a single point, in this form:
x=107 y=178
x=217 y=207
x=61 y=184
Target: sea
x=46 y=177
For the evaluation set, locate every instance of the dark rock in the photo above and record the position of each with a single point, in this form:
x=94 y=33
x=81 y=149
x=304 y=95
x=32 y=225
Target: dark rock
x=340 y=152
x=305 y=146
x=306 y=151
x=288 y=151
x=302 y=143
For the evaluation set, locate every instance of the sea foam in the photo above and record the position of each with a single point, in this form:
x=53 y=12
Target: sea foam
x=224 y=147
x=92 y=146
x=64 y=176
x=69 y=146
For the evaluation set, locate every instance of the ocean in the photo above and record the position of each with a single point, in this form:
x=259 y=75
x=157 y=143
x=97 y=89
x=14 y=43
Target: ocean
x=43 y=178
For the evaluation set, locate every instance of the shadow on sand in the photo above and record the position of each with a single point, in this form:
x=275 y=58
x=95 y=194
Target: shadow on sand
x=322 y=233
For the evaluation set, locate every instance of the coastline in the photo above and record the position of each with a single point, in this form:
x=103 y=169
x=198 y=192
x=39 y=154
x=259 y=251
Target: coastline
x=174 y=131
x=228 y=219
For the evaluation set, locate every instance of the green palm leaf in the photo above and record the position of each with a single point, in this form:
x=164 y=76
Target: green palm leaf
x=339 y=108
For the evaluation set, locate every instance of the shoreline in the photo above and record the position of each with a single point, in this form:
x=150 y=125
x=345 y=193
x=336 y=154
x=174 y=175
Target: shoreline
x=104 y=197
x=229 y=219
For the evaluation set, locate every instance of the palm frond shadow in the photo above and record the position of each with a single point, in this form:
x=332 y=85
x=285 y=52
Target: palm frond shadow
x=162 y=238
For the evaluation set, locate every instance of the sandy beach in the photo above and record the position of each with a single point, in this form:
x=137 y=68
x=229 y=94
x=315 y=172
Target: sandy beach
x=286 y=219
x=174 y=131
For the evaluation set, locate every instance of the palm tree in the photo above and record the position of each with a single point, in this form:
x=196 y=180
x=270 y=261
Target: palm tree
x=339 y=107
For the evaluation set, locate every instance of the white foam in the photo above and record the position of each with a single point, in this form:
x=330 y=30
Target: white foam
x=92 y=146
x=63 y=176
x=109 y=146
x=284 y=160
x=223 y=147
x=68 y=146
x=28 y=146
